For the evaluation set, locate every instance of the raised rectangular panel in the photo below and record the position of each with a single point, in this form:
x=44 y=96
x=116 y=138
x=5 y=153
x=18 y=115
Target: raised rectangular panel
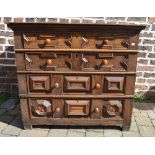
x=39 y=83
x=76 y=84
x=77 y=107
x=113 y=84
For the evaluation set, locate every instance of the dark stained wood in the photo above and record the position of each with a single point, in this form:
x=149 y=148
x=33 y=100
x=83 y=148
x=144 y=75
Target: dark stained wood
x=57 y=108
x=76 y=74
x=77 y=108
x=127 y=113
x=25 y=112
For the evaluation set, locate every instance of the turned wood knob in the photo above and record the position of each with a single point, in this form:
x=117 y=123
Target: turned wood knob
x=97 y=86
x=47 y=41
x=49 y=61
x=104 y=62
x=106 y=41
x=97 y=110
x=56 y=85
x=57 y=109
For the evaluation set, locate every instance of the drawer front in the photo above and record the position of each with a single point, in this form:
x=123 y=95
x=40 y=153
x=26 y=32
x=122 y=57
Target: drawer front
x=53 y=61
x=47 y=61
x=111 y=84
x=60 y=84
x=80 y=41
x=108 y=62
x=74 y=84
x=45 y=83
x=46 y=107
x=96 y=62
x=43 y=40
x=102 y=41
x=77 y=108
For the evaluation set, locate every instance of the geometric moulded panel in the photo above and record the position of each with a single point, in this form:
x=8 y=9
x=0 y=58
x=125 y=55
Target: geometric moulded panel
x=113 y=84
x=76 y=84
x=39 y=83
x=77 y=107
x=112 y=108
x=41 y=108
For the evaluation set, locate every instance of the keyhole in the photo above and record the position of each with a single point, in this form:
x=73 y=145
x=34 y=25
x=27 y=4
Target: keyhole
x=76 y=55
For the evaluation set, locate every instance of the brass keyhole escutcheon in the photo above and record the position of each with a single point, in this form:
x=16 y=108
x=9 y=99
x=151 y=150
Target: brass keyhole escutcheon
x=57 y=109
x=97 y=110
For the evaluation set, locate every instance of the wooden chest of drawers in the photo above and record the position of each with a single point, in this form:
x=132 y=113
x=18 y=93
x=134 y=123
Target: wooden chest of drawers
x=76 y=74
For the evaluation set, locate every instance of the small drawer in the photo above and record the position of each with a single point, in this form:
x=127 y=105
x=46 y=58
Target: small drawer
x=106 y=62
x=45 y=83
x=47 y=61
x=77 y=107
x=43 y=40
x=106 y=42
x=122 y=84
x=74 y=84
x=46 y=107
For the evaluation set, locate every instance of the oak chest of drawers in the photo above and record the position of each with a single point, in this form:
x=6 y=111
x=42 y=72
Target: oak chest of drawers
x=76 y=74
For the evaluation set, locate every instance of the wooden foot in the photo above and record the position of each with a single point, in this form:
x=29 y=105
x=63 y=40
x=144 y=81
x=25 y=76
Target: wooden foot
x=27 y=126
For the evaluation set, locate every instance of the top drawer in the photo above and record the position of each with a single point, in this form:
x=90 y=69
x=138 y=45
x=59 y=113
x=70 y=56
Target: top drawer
x=76 y=41
x=75 y=36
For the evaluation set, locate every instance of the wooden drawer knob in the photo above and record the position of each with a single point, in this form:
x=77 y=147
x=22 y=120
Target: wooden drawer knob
x=47 y=41
x=97 y=110
x=49 y=62
x=97 y=86
x=104 y=62
x=56 y=85
x=57 y=109
x=106 y=41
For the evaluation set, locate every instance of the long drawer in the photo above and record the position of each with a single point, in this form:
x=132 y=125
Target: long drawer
x=59 y=40
x=59 y=84
x=77 y=108
x=77 y=61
